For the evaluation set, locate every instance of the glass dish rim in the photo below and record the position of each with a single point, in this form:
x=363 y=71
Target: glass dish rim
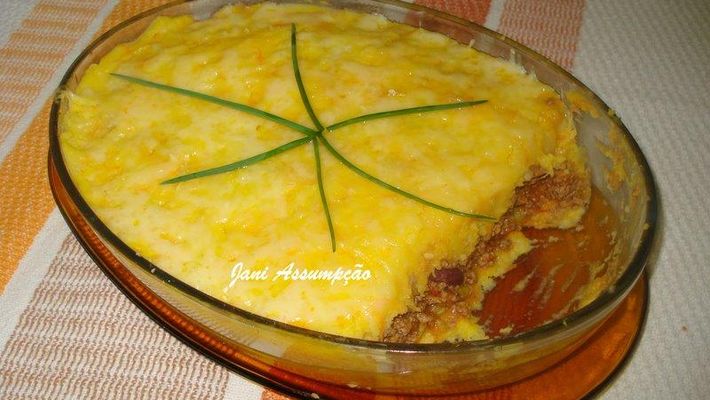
x=618 y=289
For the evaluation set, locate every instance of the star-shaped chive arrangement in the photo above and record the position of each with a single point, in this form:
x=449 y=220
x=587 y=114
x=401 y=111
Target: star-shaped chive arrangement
x=315 y=137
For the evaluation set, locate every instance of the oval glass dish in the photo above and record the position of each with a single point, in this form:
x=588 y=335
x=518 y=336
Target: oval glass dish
x=298 y=360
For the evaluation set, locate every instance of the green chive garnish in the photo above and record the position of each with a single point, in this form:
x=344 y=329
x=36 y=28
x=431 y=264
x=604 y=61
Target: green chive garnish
x=216 y=100
x=319 y=175
x=241 y=164
x=404 y=111
x=299 y=81
x=395 y=189
x=314 y=136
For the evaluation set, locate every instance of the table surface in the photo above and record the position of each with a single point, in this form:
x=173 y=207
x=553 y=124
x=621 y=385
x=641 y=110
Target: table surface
x=68 y=333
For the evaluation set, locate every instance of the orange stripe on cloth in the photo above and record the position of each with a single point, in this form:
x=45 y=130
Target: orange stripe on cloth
x=476 y=10
x=25 y=198
x=79 y=337
x=550 y=27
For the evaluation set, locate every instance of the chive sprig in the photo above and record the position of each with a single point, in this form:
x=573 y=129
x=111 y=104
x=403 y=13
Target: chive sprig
x=314 y=136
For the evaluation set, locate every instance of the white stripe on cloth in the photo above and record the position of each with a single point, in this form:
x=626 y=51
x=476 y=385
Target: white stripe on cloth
x=13 y=12
x=242 y=389
x=29 y=273
x=48 y=89
x=494 y=13
x=79 y=337
x=649 y=61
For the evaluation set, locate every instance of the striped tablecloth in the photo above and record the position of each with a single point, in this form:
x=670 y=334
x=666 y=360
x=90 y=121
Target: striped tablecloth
x=67 y=332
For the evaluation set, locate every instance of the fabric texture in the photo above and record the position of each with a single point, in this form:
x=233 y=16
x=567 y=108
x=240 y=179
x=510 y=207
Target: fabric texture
x=68 y=333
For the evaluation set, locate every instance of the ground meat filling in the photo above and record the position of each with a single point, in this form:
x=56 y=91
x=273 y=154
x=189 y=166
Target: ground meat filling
x=449 y=296
x=547 y=194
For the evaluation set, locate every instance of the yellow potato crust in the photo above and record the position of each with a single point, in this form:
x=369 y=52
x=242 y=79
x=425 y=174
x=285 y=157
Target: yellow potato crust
x=121 y=140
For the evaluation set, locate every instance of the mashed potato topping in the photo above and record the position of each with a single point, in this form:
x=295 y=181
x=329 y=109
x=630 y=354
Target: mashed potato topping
x=233 y=235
